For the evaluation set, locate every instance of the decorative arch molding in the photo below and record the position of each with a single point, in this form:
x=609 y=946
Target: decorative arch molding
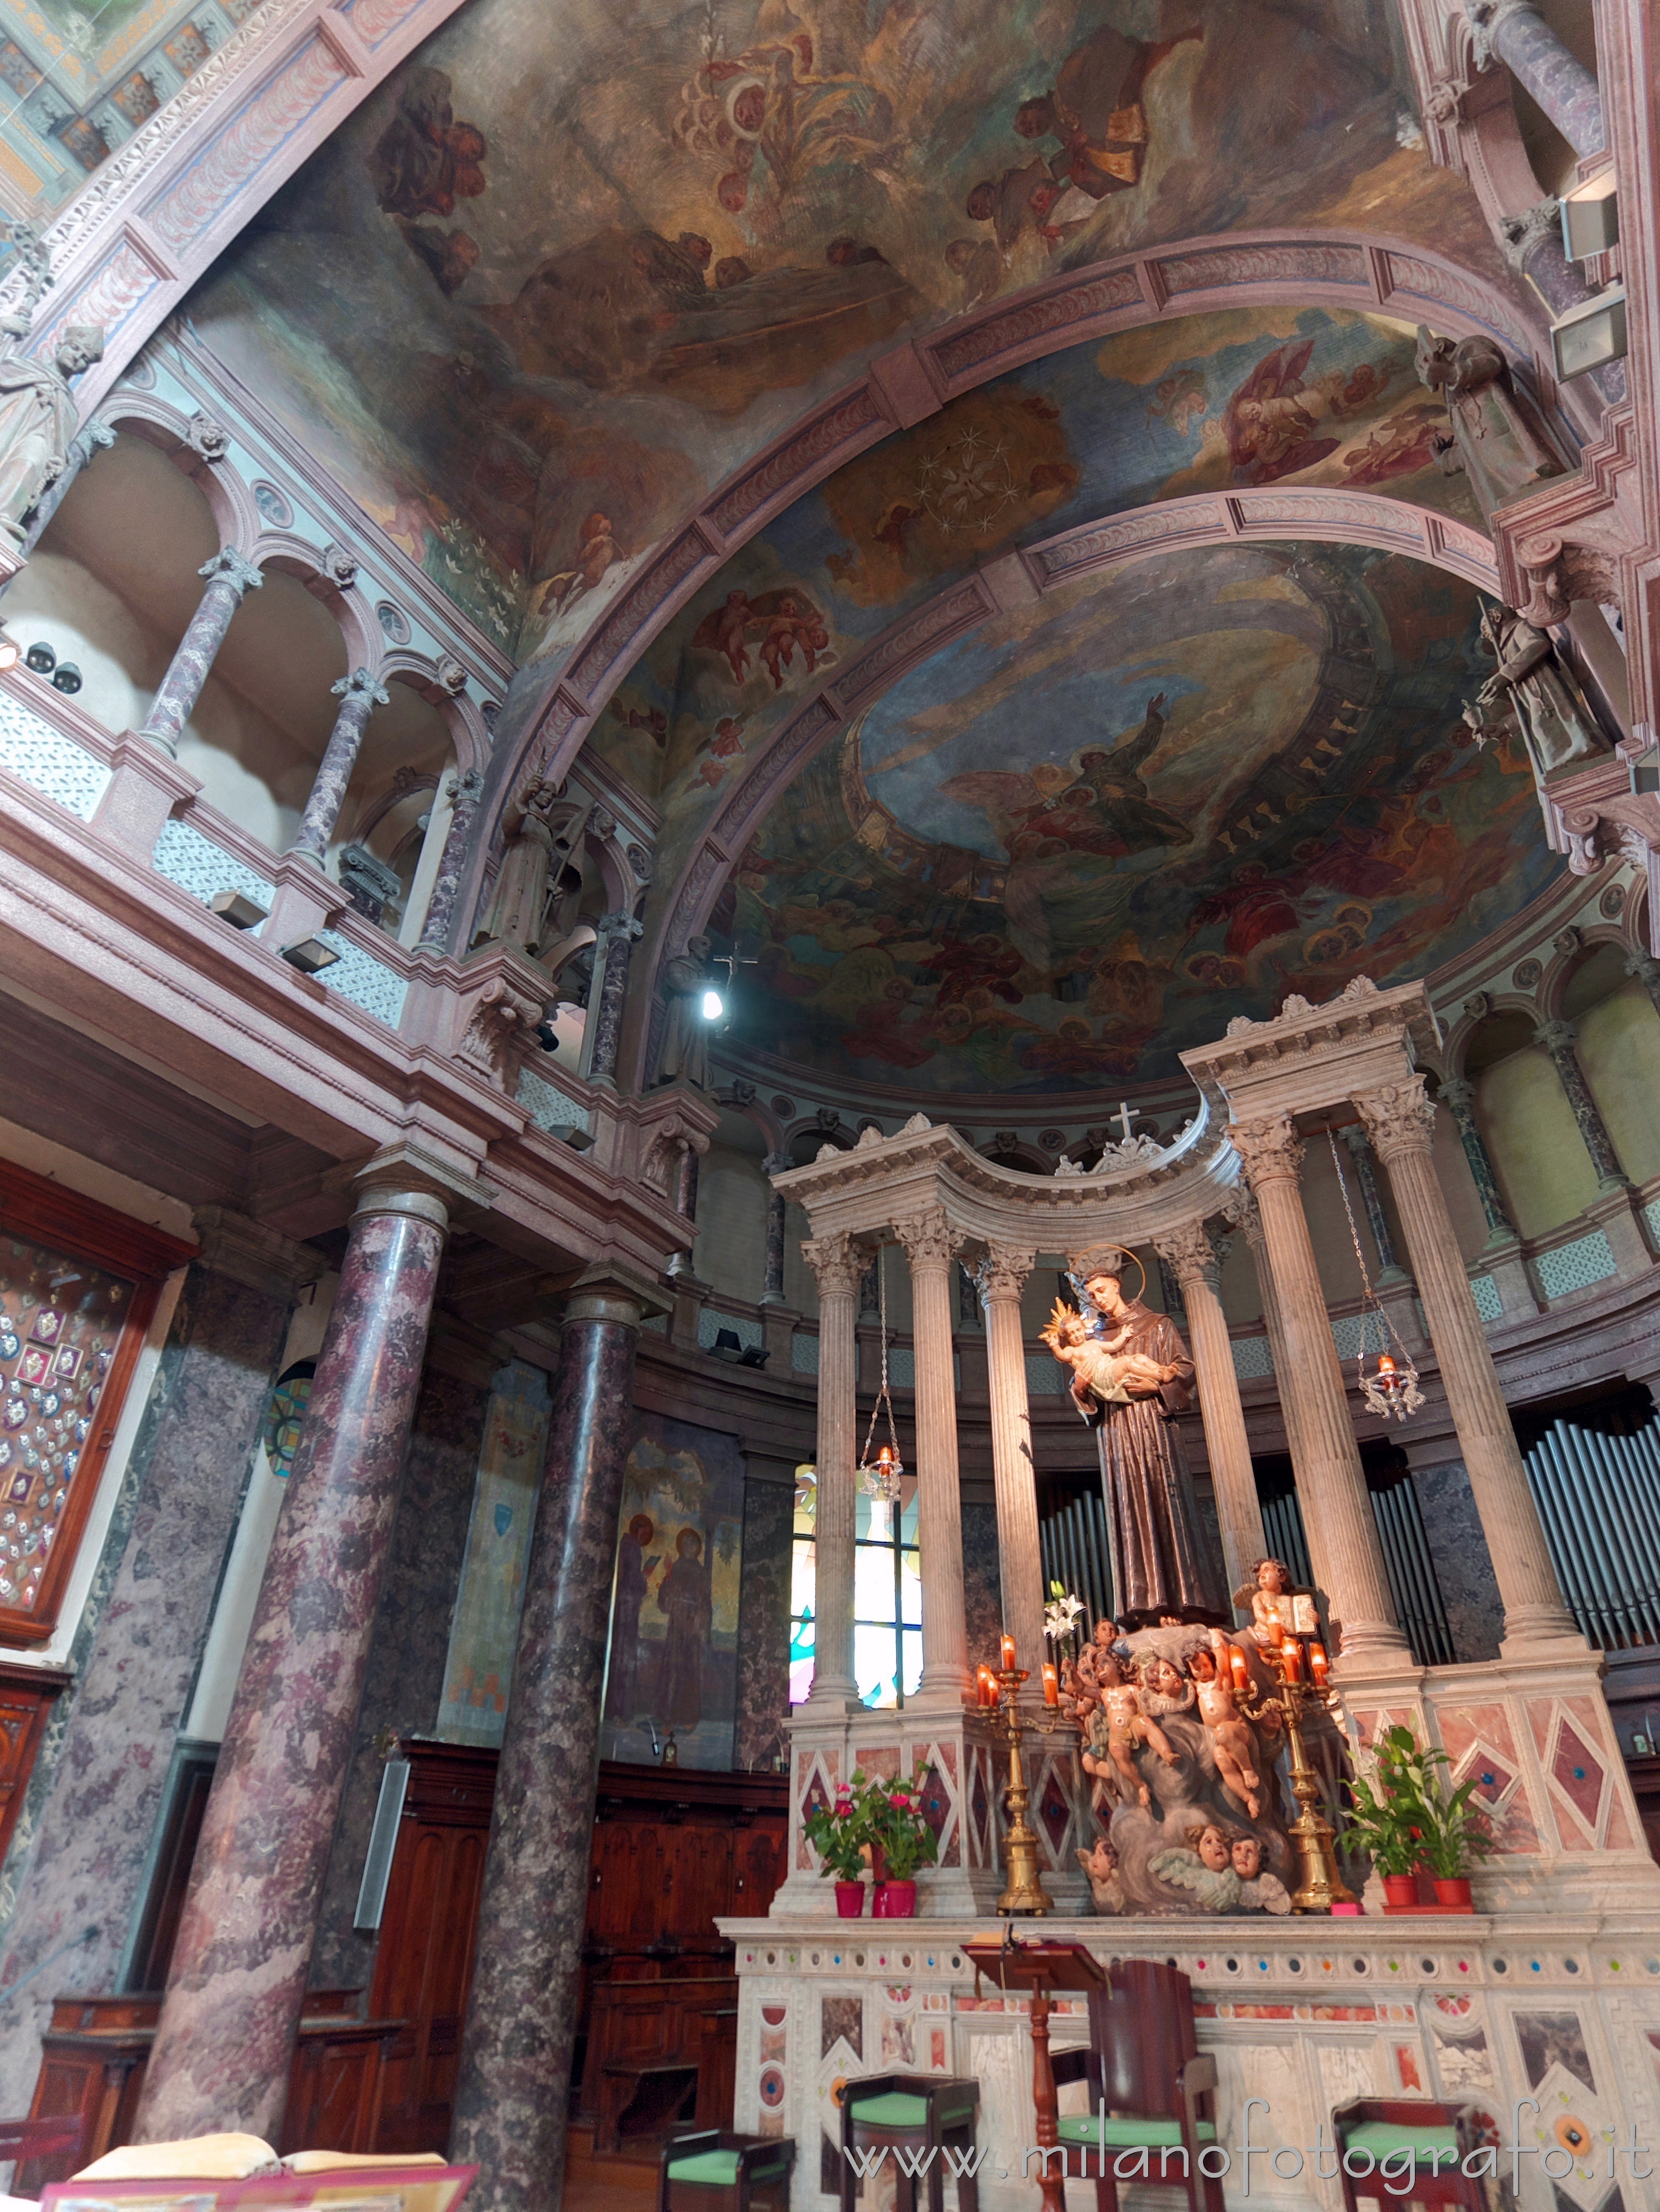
x=1310 y=515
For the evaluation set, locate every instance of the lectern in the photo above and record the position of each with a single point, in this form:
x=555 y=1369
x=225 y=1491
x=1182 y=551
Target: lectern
x=1042 y=1967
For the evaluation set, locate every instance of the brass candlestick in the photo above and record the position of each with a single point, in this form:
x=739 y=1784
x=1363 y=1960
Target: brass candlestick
x=1322 y=1886
x=1025 y=1893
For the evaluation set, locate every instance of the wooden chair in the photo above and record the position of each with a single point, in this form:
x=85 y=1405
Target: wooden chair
x=1144 y=2066
x=915 y=2114
x=27 y=2143
x=716 y=2171
x=1439 y=2136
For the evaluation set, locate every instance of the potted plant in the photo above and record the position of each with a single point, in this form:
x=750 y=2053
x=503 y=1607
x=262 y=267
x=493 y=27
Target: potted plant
x=900 y=1834
x=1389 y=1822
x=840 y=1833
x=1457 y=1833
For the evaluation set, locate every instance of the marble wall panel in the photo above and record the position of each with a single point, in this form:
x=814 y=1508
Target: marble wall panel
x=982 y=1602
x=78 y=1858
x=763 y=1607
x=405 y=1677
x=1452 y=1528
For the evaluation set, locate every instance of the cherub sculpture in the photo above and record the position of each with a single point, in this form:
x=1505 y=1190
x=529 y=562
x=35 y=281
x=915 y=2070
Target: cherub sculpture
x=1272 y=1600
x=1229 y=1733
x=1260 y=1891
x=1164 y=1688
x=1101 y=1865
x=1117 y=1728
x=1203 y=1865
x=1097 y=1361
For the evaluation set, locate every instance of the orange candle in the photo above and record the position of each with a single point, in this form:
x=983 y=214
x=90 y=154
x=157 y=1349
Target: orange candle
x=1276 y=1630
x=1051 y=1685
x=1318 y=1666
x=1291 y=1656
x=982 y=1684
x=1241 y=1671
x=1008 y=1655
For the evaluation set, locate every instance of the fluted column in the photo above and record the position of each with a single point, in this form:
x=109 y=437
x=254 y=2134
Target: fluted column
x=1538 y=58
x=1557 y=1038
x=1337 y=1515
x=226 y=2037
x=513 y=2093
x=777 y=1210
x=359 y=695
x=837 y=1261
x=1402 y=1122
x=1390 y=1270
x=1459 y=1098
x=999 y=1278
x=616 y=933
x=931 y=1243
x=1244 y=1213
x=229 y=575
x=1192 y=1257
x=452 y=863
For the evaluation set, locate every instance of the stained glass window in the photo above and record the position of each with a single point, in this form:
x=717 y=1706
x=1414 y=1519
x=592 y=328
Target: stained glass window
x=887 y=1596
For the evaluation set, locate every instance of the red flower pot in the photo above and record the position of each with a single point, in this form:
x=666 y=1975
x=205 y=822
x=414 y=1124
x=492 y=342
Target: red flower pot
x=1455 y=1890
x=896 y=1900
x=1400 y=1889
x=850 y=1900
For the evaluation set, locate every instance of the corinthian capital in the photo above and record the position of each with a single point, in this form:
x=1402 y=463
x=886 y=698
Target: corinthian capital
x=1240 y=1213
x=928 y=1238
x=1191 y=1255
x=837 y=1261
x=1399 y=1118
x=1272 y=1150
x=1002 y=1274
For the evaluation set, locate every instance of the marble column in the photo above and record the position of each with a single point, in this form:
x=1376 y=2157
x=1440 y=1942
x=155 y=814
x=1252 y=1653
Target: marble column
x=1459 y=1097
x=452 y=863
x=685 y=1183
x=1000 y=1277
x=1342 y=1533
x=616 y=933
x=229 y=575
x=512 y=2096
x=931 y=1243
x=1192 y=1258
x=1244 y=1213
x=226 y=2036
x=1400 y=1121
x=1532 y=244
x=1557 y=1038
x=83 y=446
x=1538 y=58
x=1390 y=1270
x=837 y=1262
x=359 y=695
x=777 y=1210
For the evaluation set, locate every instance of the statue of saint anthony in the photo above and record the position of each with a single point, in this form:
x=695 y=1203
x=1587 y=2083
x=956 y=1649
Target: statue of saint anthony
x=1162 y=1569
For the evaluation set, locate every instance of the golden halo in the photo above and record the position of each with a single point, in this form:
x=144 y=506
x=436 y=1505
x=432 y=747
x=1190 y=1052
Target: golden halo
x=1104 y=1260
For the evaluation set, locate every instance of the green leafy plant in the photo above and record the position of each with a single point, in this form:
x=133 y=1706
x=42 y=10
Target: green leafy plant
x=897 y=1825
x=1458 y=1833
x=1384 y=1828
x=840 y=1832
x=1404 y=1822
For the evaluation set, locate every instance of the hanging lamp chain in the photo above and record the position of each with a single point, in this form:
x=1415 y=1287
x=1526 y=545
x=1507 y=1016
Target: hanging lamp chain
x=1393 y=1389
x=876 y=1483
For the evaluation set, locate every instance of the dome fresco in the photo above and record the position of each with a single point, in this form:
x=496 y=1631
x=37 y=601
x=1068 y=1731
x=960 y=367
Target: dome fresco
x=1087 y=836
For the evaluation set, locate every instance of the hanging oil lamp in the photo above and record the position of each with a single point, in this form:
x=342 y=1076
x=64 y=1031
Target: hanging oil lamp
x=880 y=1477
x=1387 y=1380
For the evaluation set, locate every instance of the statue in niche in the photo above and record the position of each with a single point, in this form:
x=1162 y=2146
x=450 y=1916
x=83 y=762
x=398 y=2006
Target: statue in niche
x=534 y=858
x=39 y=419
x=1160 y=1562
x=685 y=1052
x=1497 y=436
x=1531 y=681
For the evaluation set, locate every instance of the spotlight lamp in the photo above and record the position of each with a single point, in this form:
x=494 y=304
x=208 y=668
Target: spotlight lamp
x=1590 y=336
x=311 y=956
x=1590 y=217
x=714 y=1005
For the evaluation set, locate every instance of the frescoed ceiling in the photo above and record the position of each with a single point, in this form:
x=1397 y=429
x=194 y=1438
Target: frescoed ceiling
x=570 y=266
x=1087 y=836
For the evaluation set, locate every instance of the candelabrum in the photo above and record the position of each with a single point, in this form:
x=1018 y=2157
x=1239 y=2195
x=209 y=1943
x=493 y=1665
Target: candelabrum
x=1025 y=1893
x=1303 y=1688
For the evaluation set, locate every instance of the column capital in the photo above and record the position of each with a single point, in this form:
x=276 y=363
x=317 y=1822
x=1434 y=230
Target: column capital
x=1457 y=1093
x=1000 y=1277
x=229 y=567
x=1645 y=968
x=1271 y=1149
x=624 y=926
x=362 y=683
x=776 y=1163
x=1399 y=1118
x=407 y=1178
x=1191 y=1253
x=253 y=1253
x=1240 y=1213
x=1555 y=1036
x=928 y=1237
x=837 y=1261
